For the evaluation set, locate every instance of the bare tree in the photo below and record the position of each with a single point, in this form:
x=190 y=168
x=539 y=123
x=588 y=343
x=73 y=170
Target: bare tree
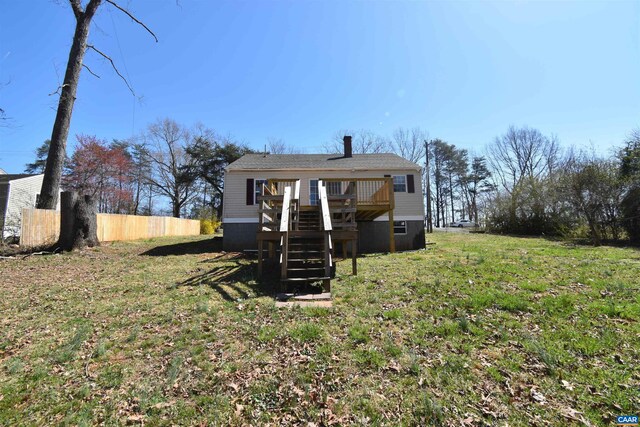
x=521 y=159
x=364 y=141
x=595 y=191
x=278 y=146
x=522 y=153
x=57 y=150
x=409 y=143
x=174 y=170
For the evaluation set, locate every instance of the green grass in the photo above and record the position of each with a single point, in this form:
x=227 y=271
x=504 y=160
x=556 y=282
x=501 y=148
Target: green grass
x=468 y=331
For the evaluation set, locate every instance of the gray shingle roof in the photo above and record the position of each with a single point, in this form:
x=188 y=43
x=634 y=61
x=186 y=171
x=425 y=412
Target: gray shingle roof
x=4 y=178
x=383 y=161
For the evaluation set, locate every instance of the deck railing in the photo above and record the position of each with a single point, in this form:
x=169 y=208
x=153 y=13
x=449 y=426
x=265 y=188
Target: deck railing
x=367 y=191
x=277 y=185
x=270 y=202
x=341 y=197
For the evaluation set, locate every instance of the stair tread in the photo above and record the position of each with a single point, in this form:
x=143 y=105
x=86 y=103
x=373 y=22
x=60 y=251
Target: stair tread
x=300 y=279
x=306 y=261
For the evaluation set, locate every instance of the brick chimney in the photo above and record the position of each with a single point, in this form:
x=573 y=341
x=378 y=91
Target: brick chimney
x=347 y=146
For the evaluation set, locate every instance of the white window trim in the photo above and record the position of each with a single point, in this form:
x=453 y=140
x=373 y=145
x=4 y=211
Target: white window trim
x=317 y=191
x=394 y=184
x=405 y=228
x=255 y=193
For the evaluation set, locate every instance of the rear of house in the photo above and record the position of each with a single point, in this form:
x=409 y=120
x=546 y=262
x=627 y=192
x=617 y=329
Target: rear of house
x=244 y=179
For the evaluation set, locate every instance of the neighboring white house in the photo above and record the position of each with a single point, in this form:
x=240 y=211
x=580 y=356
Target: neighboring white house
x=17 y=191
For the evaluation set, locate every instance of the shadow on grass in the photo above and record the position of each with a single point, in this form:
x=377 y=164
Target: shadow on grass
x=189 y=248
x=233 y=281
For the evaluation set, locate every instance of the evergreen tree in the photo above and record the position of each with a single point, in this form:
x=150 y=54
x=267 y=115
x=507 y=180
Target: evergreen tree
x=41 y=158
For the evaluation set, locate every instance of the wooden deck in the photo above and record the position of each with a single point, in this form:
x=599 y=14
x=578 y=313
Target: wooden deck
x=305 y=236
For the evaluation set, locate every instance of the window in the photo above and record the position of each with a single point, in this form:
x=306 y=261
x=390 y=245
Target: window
x=314 y=195
x=399 y=227
x=334 y=188
x=258 y=189
x=399 y=183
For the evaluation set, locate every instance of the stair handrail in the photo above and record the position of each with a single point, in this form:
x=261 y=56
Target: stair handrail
x=324 y=207
x=286 y=210
x=295 y=205
x=285 y=220
x=326 y=227
x=296 y=190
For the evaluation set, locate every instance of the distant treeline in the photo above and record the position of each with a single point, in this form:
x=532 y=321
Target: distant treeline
x=523 y=182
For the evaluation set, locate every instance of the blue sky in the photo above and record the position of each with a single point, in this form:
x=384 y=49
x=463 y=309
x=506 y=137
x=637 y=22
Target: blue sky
x=301 y=70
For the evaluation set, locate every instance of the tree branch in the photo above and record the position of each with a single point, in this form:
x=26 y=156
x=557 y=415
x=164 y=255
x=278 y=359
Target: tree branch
x=91 y=8
x=126 y=12
x=89 y=70
x=57 y=90
x=77 y=8
x=113 y=65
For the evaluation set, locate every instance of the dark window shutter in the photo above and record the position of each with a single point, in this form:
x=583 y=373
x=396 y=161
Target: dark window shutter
x=411 y=188
x=250 y=191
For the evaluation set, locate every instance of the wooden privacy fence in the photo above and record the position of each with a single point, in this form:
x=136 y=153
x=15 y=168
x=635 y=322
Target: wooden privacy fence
x=42 y=226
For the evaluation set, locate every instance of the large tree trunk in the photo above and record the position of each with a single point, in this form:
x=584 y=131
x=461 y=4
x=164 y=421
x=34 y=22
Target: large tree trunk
x=57 y=149
x=78 y=222
x=176 y=209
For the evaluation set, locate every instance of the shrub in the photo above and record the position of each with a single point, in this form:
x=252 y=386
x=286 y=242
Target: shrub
x=209 y=226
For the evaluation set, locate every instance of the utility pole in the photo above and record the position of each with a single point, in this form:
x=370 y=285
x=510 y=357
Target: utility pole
x=428 y=185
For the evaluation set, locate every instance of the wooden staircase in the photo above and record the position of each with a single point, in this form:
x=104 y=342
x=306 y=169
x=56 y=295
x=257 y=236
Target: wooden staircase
x=305 y=235
x=309 y=259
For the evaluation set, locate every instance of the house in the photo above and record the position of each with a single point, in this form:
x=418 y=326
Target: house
x=17 y=191
x=380 y=187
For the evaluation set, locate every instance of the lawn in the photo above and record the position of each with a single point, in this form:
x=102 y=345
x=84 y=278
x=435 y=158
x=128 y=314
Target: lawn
x=475 y=330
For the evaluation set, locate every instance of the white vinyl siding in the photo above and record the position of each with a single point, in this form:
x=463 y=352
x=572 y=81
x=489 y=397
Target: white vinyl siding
x=21 y=194
x=407 y=204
